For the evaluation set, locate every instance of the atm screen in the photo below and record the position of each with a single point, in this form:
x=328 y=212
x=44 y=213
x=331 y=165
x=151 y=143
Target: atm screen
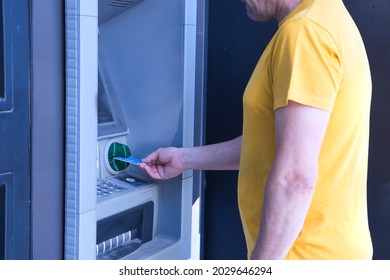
x=111 y=120
x=104 y=112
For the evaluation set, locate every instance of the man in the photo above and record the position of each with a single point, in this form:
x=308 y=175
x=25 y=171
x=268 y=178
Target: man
x=302 y=156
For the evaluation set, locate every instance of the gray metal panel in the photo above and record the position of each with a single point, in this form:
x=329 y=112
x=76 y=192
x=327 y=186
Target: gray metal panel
x=200 y=85
x=81 y=128
x=71 y=239
x=200 y=104
x=47 y=139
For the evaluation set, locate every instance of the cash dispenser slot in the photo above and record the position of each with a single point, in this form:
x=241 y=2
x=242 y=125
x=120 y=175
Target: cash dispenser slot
x=121 y=234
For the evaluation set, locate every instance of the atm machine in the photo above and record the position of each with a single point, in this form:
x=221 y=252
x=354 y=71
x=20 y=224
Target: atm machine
x=131 y=72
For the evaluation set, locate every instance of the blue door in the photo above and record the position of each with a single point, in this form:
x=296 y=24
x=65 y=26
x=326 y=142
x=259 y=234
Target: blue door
x=14 y=130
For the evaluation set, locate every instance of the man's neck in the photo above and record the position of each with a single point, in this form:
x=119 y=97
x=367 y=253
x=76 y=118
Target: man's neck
x=285 y=7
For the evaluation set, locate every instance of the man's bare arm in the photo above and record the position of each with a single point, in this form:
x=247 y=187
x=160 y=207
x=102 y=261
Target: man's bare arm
x=169 y=162
x=299 y=134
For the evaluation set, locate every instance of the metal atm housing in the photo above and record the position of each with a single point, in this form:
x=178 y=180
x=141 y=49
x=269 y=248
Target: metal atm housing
x=130 y=81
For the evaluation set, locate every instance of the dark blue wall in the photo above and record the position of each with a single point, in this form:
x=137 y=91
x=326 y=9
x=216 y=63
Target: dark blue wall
x=373 y=18
x=15 y=131
x=234 y=45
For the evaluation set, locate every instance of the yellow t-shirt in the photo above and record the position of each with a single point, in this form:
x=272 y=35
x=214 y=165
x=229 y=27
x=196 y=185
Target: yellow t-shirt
x=316 y=58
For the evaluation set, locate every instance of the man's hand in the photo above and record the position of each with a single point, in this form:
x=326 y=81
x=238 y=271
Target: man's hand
x=164 y=163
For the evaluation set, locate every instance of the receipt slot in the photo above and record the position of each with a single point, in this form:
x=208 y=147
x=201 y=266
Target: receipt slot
x=130 y=84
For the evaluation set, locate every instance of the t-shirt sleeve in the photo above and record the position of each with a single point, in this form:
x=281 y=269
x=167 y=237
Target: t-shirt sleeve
x=305 y=66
